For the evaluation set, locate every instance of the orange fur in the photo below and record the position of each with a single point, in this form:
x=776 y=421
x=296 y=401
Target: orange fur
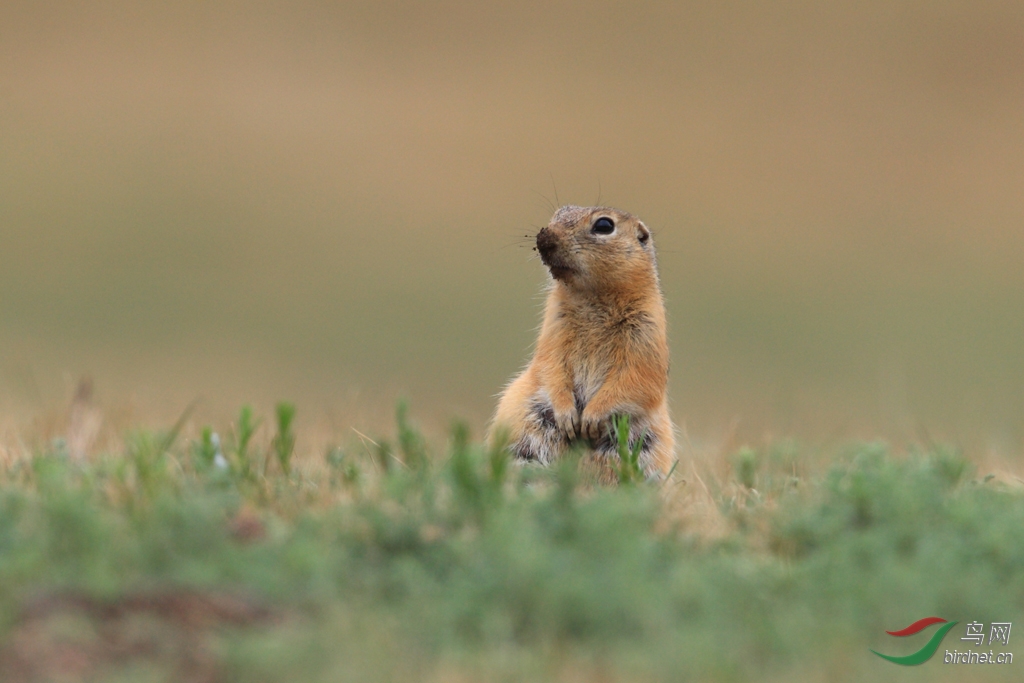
x=602 y=349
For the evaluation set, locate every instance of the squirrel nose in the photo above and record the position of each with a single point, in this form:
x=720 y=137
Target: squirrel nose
x=546 y=242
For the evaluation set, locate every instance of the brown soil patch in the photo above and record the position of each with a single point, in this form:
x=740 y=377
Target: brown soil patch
x=72 y=637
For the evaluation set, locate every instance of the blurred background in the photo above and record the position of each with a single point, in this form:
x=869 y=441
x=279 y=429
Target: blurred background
x=329 y=203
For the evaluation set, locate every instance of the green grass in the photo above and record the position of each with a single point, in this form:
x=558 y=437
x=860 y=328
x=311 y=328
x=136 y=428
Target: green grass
x=224 y=558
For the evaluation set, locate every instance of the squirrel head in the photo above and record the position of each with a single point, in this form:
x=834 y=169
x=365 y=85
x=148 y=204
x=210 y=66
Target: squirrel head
x=596 y=248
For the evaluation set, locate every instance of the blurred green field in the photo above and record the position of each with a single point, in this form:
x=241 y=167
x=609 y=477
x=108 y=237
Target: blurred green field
x=232 y=556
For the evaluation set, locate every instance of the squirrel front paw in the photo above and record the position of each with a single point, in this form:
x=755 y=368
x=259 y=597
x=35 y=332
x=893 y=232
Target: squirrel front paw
x=595 y=427
x=568 y=423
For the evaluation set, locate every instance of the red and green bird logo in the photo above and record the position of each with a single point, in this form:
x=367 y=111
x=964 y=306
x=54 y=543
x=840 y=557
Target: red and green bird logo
x=925 y=653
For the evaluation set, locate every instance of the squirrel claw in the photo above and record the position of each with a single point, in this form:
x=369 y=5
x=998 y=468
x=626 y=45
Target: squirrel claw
x=569 y=424
x=593 y=429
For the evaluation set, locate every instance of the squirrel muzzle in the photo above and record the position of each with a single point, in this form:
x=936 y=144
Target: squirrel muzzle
x=553 y=254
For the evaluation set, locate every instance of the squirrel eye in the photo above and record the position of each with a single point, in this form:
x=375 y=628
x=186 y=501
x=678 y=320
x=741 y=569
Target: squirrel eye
x=603 y=226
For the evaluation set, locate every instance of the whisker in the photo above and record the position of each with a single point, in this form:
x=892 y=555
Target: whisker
x=543 y=196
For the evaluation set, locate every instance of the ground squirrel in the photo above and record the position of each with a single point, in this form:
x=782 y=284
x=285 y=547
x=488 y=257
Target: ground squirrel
x=602 y=350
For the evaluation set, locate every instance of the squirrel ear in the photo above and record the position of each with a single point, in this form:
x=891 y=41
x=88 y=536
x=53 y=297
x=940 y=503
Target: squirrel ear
x=643 y=234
